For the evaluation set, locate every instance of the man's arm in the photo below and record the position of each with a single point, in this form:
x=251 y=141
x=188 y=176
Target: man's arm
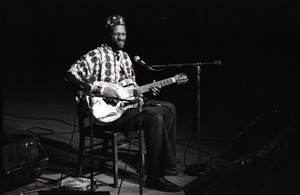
x=74 y=77
x=81 y=73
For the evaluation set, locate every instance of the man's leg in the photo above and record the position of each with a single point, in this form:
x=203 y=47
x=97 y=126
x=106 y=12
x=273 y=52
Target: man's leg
x=159 y=150
x=168 y=111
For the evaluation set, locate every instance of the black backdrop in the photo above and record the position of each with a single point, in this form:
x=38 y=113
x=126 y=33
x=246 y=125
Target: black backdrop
x=256 y=40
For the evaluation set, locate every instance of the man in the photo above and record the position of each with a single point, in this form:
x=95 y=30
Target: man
x=110 y=64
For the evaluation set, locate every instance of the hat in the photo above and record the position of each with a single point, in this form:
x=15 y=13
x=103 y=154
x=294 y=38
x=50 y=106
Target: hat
x=114 y=20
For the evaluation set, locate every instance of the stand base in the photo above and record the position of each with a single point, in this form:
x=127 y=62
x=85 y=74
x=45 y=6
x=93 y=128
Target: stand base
x=196 y=169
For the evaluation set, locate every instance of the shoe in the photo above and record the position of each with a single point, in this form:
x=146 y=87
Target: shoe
x=171 y=172
x=166 y=172
x=161 y=184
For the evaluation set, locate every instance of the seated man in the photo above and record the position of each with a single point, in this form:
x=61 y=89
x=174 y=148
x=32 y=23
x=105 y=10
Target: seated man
x=112 y=66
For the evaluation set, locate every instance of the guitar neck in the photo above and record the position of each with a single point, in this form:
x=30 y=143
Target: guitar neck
x=161 y=83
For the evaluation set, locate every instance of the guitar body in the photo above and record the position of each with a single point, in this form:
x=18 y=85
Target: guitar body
x=106 y=110
x=106 y=113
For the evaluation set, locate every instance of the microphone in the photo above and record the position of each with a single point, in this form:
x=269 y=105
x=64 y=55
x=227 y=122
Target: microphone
x=141 y=62
x=218 y=62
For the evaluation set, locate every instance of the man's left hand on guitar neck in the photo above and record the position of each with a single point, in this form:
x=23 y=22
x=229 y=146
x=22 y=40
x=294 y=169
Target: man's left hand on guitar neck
x=155 y=90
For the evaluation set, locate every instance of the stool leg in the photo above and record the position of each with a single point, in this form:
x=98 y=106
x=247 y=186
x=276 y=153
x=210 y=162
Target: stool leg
x=115 y=159
x=104 y=154
x=80 y=155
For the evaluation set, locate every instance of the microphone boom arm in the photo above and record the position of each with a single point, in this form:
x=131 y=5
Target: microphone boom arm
x=218 y=62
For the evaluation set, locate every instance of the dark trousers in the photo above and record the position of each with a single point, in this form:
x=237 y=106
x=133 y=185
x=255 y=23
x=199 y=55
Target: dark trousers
x=159 y=125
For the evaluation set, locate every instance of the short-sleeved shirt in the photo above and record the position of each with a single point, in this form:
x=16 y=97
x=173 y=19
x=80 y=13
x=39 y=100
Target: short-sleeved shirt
x=104 y=64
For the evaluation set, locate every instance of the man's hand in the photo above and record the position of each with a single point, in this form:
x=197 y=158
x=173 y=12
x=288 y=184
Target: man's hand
x=111 y=92
x=155 y=90
x=105 y=90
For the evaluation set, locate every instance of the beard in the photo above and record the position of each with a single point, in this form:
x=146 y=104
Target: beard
x=118 y=45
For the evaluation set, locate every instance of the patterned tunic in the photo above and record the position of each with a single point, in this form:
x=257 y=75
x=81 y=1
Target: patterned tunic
x=102 y=64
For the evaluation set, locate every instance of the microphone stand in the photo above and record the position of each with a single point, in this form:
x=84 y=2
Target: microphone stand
x=92 y=183
x=196 y=169
x=141 y=143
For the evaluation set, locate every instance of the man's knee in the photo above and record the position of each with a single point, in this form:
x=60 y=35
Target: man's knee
x=157 y=120
x=171 y=107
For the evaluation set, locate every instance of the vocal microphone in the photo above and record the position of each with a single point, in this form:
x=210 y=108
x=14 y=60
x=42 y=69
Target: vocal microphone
x=218 y=62
x=141 y=62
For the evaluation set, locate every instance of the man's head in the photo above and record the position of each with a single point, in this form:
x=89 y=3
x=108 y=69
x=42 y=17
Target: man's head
x=115 y=32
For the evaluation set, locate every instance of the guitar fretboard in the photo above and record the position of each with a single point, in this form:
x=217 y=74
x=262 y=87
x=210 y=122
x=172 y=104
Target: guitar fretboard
x=161 y=83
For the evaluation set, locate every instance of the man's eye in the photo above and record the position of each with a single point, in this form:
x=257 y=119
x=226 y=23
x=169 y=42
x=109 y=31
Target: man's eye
x=119 y=34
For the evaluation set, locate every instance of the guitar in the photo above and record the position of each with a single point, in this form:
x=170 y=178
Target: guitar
x=106 y=110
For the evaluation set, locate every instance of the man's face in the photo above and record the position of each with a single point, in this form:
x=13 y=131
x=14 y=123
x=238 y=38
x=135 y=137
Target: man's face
x=117 y=37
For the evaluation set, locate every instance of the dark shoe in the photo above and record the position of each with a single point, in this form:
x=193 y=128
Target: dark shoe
x=171 y=172
x=167 y=172
x=161 y=184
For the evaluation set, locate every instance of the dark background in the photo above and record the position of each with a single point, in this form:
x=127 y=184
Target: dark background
x=256 y=40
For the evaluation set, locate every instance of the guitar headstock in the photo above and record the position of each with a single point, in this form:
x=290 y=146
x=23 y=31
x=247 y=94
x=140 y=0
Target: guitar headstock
x=181 y=78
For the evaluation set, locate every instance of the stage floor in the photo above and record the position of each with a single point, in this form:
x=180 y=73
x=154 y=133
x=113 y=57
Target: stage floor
x=49 y=114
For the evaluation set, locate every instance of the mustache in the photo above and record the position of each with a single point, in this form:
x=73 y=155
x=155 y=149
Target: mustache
x=122 y=42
